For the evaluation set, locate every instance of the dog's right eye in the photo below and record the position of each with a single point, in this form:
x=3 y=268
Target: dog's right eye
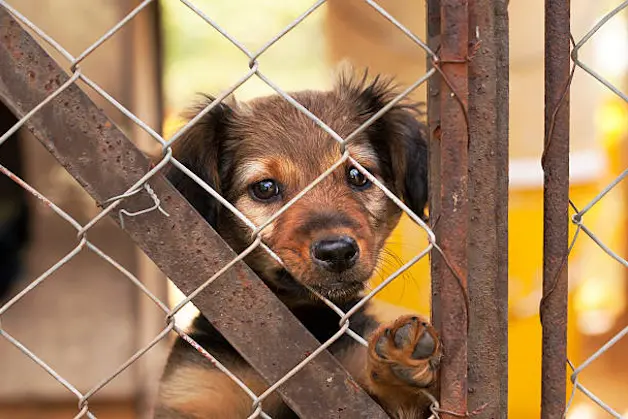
x=357 y=179
x=264 y=190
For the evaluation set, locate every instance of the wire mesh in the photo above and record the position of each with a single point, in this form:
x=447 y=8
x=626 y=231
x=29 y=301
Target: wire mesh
x=579 y=216
x=142 y=186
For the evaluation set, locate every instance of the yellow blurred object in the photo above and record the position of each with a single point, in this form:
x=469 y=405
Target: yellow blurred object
x=611 y=122
x=526 y=249
x=412 y=288
x=601 y=296
x=172 y=123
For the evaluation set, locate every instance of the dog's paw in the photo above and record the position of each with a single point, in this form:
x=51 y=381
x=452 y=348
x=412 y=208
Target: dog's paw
x=404 y=353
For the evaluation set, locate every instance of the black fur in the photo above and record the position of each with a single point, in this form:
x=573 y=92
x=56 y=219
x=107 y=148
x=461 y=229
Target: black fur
x=202 y=150
x=15 y=217
x=398 y=138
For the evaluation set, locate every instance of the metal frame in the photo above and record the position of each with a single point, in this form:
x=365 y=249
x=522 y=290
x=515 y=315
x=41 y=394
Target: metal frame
x=561 y=53
x=468 y=120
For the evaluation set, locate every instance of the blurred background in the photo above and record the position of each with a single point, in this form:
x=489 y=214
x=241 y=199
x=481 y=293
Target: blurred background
x=87 y=319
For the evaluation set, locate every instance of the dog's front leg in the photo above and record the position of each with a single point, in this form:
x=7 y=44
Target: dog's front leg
x=402 y=362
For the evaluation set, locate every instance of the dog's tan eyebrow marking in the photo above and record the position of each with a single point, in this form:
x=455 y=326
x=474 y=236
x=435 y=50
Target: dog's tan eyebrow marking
x=364 y=155
x=278 y=168
x=249 y=171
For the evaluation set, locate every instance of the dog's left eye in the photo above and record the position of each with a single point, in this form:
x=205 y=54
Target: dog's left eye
x=357 y=179
x=264 y=190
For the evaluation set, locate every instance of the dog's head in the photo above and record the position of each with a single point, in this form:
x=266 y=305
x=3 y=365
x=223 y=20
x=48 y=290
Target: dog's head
x=259 y=155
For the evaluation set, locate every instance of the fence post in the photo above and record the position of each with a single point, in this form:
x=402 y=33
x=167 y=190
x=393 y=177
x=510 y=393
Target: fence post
x=555 y=162
x=449 y=204
x=433 y=115
x=488 y=208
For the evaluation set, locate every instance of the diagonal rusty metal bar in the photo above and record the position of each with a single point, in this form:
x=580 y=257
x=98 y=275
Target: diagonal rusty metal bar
x=99 y=156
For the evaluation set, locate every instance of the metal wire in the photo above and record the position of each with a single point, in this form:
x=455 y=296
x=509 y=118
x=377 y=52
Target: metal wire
x=142 y=186
x=578 y=219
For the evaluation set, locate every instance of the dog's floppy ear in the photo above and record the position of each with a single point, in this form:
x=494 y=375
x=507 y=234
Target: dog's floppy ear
x=412 y=151
x=201 y=149
x=398 y=138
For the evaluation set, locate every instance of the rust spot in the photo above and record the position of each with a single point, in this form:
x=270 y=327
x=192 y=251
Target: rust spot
x=437 y=133
x=49 y=85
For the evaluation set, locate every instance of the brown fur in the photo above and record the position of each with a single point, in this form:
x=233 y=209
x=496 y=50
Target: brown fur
x=232 y=149
x=205 y=393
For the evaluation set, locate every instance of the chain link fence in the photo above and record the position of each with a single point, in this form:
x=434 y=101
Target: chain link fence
x=579 y=212
x=467 y=118
x=141 y=201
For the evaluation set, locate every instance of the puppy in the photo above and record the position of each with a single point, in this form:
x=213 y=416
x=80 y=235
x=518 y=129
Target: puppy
x=259 y=155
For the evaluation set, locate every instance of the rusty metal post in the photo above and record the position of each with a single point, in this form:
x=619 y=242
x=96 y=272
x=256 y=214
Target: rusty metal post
x=488 y=208
x=555 y=163
x=449 y=210
x=433 y=116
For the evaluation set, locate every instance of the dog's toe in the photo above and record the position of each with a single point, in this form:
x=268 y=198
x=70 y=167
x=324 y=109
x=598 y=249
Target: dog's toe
x=407 y=351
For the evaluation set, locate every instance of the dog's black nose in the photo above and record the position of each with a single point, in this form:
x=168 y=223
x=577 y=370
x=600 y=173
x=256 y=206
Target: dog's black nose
x=335 y=254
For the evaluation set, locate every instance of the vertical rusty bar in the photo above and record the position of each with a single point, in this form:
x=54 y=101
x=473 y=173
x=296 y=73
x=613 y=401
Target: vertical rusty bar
x=452 y=203
x=502 y=30
x=555 y=206
x=488 y=206
x=433 y=121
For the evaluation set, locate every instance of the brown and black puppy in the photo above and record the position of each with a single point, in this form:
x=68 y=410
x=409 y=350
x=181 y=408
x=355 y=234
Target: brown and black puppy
x=259 y=155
